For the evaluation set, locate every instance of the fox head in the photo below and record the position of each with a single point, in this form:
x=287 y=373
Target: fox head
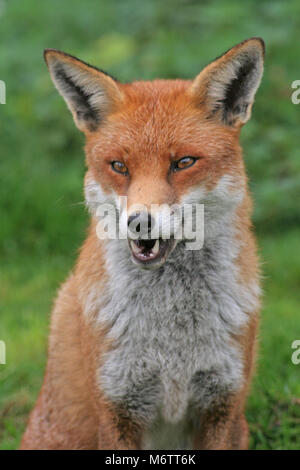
x=165 y=143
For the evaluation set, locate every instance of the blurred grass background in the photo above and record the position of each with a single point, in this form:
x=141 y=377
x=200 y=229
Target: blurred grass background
x=41 y=167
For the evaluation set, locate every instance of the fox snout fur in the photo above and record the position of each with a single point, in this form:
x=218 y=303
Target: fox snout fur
x=152 y=338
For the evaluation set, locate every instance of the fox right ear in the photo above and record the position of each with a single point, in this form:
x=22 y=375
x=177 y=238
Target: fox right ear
x=227 y=86
x=89 y=93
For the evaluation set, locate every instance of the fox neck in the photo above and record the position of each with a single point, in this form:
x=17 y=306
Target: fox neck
x=196 y=292
x=218 y=259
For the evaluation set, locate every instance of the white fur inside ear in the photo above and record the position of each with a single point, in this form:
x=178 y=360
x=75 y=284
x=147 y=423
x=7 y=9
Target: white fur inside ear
x=85 y=95
x=81 y=79
x=232 y=83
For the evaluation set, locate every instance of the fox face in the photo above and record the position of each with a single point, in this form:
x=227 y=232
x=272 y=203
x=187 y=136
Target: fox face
x=162 y=145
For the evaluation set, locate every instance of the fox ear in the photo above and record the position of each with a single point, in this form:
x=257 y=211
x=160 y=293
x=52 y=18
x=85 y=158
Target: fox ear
x=89 y=93
x=227 y=86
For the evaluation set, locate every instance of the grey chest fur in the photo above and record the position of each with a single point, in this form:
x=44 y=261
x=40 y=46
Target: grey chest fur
x=172 y=328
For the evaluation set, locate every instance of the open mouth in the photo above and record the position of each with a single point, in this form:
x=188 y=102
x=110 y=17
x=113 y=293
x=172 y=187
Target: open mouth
x=151 y=252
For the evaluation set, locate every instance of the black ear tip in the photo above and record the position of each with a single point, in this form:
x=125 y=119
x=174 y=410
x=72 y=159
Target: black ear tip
x=47 y=52
x=261 y=42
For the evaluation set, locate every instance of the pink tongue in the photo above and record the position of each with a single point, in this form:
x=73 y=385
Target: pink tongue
x=146 y=246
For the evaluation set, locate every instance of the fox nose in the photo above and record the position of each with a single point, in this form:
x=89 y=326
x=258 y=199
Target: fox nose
x=141 y=223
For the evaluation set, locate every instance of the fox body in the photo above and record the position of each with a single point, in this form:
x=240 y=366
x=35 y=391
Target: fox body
x=152 y=344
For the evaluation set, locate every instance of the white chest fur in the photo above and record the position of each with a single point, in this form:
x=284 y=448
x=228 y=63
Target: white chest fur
x=173 y=330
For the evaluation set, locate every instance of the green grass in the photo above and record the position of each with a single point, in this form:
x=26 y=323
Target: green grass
x=274 y=405
x=27 y=290
x=42 y=222
x=28 y=286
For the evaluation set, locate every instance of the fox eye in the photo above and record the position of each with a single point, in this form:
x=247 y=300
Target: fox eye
x=183 y=163
x=119 y=167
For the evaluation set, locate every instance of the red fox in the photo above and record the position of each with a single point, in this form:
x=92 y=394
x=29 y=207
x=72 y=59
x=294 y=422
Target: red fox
x=152 y=344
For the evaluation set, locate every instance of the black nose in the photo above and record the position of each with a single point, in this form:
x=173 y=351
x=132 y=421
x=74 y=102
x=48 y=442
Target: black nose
x=141 y=222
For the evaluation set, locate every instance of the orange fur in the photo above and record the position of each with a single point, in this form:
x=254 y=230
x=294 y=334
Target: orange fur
x=148 y=125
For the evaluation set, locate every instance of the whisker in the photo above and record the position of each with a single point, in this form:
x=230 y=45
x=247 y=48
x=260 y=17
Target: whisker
x=81 y=203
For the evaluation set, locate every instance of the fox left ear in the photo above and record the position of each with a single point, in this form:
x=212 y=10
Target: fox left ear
x=90 y=93
x=227 y=86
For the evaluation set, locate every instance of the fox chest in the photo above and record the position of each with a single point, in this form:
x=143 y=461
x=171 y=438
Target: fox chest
x=173 y=345
x=166 y=371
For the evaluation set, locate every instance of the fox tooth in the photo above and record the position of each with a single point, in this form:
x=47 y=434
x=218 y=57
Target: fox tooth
x=155 y=248
x=134 y=247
